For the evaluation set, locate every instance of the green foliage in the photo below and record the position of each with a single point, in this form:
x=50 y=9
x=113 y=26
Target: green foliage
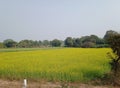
x=76 y=42
x=88 y=45
x=114 y=42
x=46 y=43
x=9 y=43
x=69 y=42
x=24 y=43
x=56 y=43
x=108 y=34
x=92 y=41
x=33 y=44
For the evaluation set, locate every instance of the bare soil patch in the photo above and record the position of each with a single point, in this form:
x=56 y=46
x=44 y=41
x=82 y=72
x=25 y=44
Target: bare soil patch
x=33 y=84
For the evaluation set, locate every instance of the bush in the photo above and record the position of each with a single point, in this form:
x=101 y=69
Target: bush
x=114 y=42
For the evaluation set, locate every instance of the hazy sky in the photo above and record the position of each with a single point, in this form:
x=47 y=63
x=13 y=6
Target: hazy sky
x=50 y=19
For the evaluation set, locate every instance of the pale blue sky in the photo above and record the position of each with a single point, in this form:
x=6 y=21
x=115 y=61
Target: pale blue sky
x=50 y=19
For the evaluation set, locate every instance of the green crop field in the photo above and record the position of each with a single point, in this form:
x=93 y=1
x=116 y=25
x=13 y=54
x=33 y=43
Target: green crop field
x=57 y=64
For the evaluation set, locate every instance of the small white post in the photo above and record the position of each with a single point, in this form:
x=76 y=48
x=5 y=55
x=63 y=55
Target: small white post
x=25 y=83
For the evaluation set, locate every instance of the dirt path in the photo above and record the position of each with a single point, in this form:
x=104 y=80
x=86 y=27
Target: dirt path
x=19 y=84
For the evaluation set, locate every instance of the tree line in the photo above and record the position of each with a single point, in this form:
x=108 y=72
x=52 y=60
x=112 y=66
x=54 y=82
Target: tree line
x=92 y=41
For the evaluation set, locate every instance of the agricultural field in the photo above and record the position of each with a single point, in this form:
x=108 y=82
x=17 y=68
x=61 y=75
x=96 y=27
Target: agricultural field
x=54 y=64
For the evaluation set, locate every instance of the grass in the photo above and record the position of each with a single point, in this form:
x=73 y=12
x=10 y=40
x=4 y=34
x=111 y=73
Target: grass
x=64 y=64
x=24 y=49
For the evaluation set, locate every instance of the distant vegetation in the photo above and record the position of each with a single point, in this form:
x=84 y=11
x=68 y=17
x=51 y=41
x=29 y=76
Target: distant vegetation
x=92 y=41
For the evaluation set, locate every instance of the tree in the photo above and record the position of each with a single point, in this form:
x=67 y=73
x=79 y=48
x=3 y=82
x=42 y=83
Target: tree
x=108 y=34
x=88 y=45
x=9 y=43
x=26 y=43
x=46 y=43
x=35 y=44
x=56 y=43
x=69 y=42
x=23 y=44
x=40 y=43
x=114 y=42
x=76 y=42
x=88 y=41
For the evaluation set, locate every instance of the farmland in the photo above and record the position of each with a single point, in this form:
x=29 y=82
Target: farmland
x=57 y=64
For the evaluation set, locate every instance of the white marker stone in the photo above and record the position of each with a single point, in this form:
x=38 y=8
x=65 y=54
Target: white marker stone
x=25 y=83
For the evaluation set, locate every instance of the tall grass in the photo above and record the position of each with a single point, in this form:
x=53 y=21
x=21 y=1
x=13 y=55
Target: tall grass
x=65 y=64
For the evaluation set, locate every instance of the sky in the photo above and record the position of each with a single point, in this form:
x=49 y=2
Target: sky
x=57 y=19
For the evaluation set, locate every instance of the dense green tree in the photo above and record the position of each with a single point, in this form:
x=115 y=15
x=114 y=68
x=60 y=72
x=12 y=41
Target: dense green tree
x=56 y=43
x=40 y=43
x=85 y=39
x=23 y=43
x=26 y=43
x=92 y=41
x=88 y=45
x=76 y=42
x=69 y=42
x=88 y=41
x=108 y=34
x=46 y=43
x=36 y=44
x=32 y=44
x=114 y=42
x=99 y=42
x=9 y=43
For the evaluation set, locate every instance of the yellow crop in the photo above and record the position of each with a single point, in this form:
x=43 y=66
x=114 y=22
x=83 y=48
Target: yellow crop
x=64 y=64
